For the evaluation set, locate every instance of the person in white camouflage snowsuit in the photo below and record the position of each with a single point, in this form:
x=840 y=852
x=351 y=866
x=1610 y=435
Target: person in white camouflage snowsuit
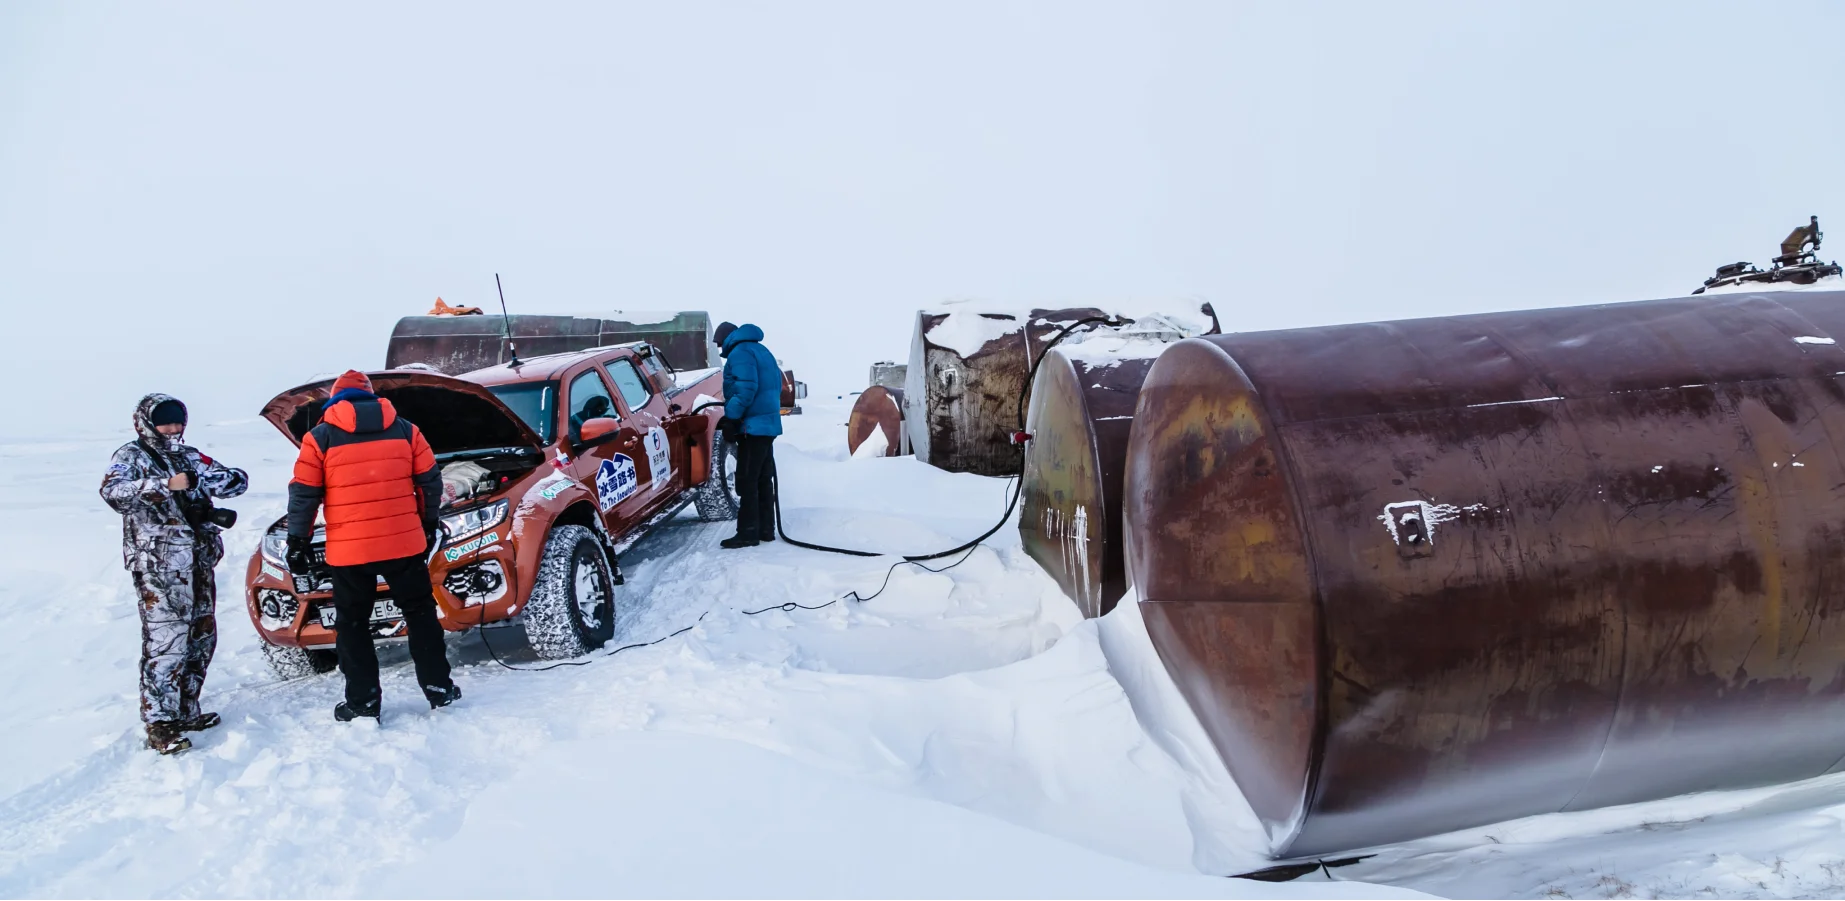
x=154 y=481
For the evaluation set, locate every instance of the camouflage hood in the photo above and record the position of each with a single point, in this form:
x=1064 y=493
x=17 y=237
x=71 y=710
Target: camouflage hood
x=144 y=424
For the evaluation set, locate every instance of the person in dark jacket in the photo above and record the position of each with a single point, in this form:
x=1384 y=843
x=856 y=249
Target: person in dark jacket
x=382 y=490
x=170 y=546
x=753 y=413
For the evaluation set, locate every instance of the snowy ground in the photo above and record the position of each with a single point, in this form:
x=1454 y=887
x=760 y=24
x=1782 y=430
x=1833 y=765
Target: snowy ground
x=963 y=734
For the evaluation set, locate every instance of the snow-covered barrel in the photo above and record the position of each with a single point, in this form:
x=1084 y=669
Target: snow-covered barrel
x=966 y=373
x=877 y=417
x=1081 y=409
x=1425 y=575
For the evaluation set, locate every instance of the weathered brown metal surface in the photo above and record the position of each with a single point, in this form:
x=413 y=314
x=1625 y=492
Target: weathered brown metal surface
x=962 y=408
x=457 y=344
x=1424 y=575
x=877 y=410
x=1070 y=521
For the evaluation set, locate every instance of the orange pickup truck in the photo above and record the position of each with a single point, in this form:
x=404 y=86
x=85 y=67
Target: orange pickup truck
x=551 y=468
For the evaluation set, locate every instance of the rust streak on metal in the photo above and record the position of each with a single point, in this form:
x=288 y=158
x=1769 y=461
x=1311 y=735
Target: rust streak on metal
x=1079 y=420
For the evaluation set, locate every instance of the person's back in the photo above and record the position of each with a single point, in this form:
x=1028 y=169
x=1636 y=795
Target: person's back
x=382 y=489
x=366 y=460
x=753 y=410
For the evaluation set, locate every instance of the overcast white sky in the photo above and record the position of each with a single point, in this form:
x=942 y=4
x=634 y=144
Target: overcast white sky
x=221 y=201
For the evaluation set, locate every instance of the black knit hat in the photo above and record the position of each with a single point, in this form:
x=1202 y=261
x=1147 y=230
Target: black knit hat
x=167 y=412
x=723 y=331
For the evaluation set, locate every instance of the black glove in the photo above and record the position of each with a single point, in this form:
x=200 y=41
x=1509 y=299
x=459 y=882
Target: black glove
x=430 y=536
x=300 y=555
x=730 y=428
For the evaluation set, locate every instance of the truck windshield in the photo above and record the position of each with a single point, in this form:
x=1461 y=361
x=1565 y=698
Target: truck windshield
x=535 y=402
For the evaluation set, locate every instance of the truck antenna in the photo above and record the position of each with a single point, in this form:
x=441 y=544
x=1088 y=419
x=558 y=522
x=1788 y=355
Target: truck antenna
x=506 y=322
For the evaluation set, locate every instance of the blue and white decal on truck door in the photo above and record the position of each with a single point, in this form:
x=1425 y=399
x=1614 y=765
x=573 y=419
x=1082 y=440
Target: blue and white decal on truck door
x=616 y=481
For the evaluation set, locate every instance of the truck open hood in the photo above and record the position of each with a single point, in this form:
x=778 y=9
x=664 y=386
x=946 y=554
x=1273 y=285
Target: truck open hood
x=453 y=414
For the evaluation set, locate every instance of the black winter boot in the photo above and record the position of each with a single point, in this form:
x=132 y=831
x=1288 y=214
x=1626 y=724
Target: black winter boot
x=165 y=738
x=346 y=713
x=199 y=723
x=442 y=697
x=737 y=541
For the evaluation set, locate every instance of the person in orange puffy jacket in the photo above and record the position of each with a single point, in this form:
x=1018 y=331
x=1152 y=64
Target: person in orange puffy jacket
x=381 y=487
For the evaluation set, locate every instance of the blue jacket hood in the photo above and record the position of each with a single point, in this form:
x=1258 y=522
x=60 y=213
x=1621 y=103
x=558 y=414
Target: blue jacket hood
x=744 y=332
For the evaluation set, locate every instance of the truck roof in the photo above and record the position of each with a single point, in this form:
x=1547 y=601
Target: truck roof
x=544 y=368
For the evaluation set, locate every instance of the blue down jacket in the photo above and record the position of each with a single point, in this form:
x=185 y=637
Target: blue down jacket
x=752 y=382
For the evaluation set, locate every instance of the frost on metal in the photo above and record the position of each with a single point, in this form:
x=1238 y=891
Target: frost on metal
x=1415 y=521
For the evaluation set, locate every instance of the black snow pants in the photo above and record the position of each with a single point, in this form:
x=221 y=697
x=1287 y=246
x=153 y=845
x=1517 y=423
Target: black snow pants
x=179 y=633
x=756 y=487
x=354 y=590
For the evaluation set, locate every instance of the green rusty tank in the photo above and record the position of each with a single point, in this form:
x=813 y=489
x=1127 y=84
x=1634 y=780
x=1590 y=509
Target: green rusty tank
x=458 y=344
x=1081 y=411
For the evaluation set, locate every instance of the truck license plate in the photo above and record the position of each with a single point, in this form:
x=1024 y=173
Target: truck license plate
x=382 y=610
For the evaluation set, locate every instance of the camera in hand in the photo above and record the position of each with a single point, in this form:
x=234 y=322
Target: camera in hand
x=201 y=511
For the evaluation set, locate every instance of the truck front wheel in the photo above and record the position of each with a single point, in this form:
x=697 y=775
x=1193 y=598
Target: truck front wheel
x=572 y=608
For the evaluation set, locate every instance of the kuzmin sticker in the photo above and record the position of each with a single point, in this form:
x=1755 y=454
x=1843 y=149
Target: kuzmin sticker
x=659 y=458
x=616 y=481
x=468 y=547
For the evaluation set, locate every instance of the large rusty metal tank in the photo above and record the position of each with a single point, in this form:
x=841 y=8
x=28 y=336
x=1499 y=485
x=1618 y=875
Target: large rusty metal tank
x=966 y=372
x=1081 y=410
x=1424 y=575
x=457 y=344
x=878 y=411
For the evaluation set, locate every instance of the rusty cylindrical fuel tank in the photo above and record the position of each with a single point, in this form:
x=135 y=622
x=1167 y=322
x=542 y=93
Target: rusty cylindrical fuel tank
x=1081 y=410
x=1425 y=575
x=878 y=411
x=966 y=372
x=457 y=344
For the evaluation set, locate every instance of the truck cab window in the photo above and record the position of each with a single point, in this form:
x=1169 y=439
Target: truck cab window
x=633 y=388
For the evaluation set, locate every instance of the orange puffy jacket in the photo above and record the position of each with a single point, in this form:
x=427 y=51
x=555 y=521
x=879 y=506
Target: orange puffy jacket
x=377 y=477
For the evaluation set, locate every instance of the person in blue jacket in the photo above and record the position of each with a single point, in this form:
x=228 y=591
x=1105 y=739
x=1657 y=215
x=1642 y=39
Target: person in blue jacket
x=752 y=418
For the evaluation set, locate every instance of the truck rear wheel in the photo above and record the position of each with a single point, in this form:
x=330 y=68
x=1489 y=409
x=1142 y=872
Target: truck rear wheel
x=716 y=497
x=572 y=608
x=298 y=663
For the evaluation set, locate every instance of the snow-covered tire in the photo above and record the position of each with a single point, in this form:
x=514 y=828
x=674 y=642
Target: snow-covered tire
x=716 y=497
x=572 y=608
x=298 y=663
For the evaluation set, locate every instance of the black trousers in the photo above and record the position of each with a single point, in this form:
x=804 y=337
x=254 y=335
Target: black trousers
x=354 y=590
x=756 y=486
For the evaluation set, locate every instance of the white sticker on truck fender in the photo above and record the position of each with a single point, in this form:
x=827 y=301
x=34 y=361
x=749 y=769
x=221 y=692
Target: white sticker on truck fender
x=659 y=458
x=616 y=481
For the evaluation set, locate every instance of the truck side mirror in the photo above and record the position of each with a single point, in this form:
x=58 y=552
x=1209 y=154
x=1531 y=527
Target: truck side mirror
x=598 y=430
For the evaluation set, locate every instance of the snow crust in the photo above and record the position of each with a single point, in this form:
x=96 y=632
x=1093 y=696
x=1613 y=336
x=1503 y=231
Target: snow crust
x=966 y=331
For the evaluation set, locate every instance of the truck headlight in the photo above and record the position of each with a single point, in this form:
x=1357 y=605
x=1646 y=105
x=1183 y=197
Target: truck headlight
x=275 y=544
x=469 y=523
